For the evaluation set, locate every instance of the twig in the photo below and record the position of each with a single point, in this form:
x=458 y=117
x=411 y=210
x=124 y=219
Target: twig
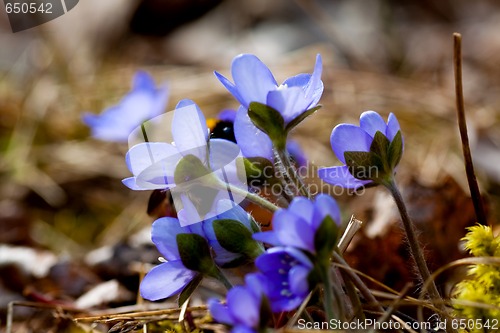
x=462 y=124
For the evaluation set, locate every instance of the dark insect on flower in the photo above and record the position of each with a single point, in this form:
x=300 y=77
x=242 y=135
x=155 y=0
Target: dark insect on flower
x=221 y=129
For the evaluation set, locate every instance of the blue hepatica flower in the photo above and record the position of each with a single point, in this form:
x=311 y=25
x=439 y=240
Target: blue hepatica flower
x=352 y=138
x=243 y=308
x=296 y=225
x=145 y=101
x=254 y=82
x=226 y=209
x=154 y=164
x=285 y=272
x=171 y=277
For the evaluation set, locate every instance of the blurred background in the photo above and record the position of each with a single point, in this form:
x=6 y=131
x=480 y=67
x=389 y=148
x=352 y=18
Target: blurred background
x=67 y=224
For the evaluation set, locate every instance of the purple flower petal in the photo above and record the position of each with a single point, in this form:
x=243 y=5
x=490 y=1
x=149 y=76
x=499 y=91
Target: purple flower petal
x=228 y=209
x=340 y=176
x=144 y=155
x=142 y=80
x=231 y=87
x=251 y=140
x=221 y=255
x=163 y=234
x=293 y=230
x=299 y=80
x=223 y=154
x=143 y=102
x=227 y=115
x=165 y=280
x=325 y=205
x=347 y=137
x=302 y=207
x=289 y=102
x=392 y=127
x=269 y=237
x=243 y=306
x=286 y=304
x=189 y=213
x=297 y=278
x=314 y=88
x=252 y=78
x=219 y=312
x=242 y=329
x=371 y=122
x=130 y=182
x=257 y=283
x=189 y=129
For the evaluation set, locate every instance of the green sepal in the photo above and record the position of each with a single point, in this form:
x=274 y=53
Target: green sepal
x=259 y=171
x=378 y=164
x=297 y=120
x=189 y=289
x=190 y=168
x=380 y=145
x=358 y=163
x=269 y=121
x=233 y=236
x=325 y=238
x=195 y=253
x=395 y=150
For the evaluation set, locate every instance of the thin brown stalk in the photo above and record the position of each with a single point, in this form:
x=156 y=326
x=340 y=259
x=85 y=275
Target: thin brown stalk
x=462 y=124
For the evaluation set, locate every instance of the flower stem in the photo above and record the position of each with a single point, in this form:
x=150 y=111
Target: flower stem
x=217 y=273
x=328 y=293
x=415 y=250
x=285 y=166
x=255 y=198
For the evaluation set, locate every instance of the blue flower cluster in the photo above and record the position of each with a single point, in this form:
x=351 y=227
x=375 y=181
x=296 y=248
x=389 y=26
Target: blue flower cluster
x=205 y=178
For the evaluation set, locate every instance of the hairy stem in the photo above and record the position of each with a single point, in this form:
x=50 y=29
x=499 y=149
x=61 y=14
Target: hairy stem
x=255 y=198
x=328 y=294
x=289 y=172
x=415 y=249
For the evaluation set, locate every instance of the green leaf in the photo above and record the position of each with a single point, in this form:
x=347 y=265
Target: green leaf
x=326 y=236
x=297 y=120
x=269 y=121
x=189 y=289
x=190 y=168
x=195 y=253
x=233 y=236
x=360 y=164
x=395 y=150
